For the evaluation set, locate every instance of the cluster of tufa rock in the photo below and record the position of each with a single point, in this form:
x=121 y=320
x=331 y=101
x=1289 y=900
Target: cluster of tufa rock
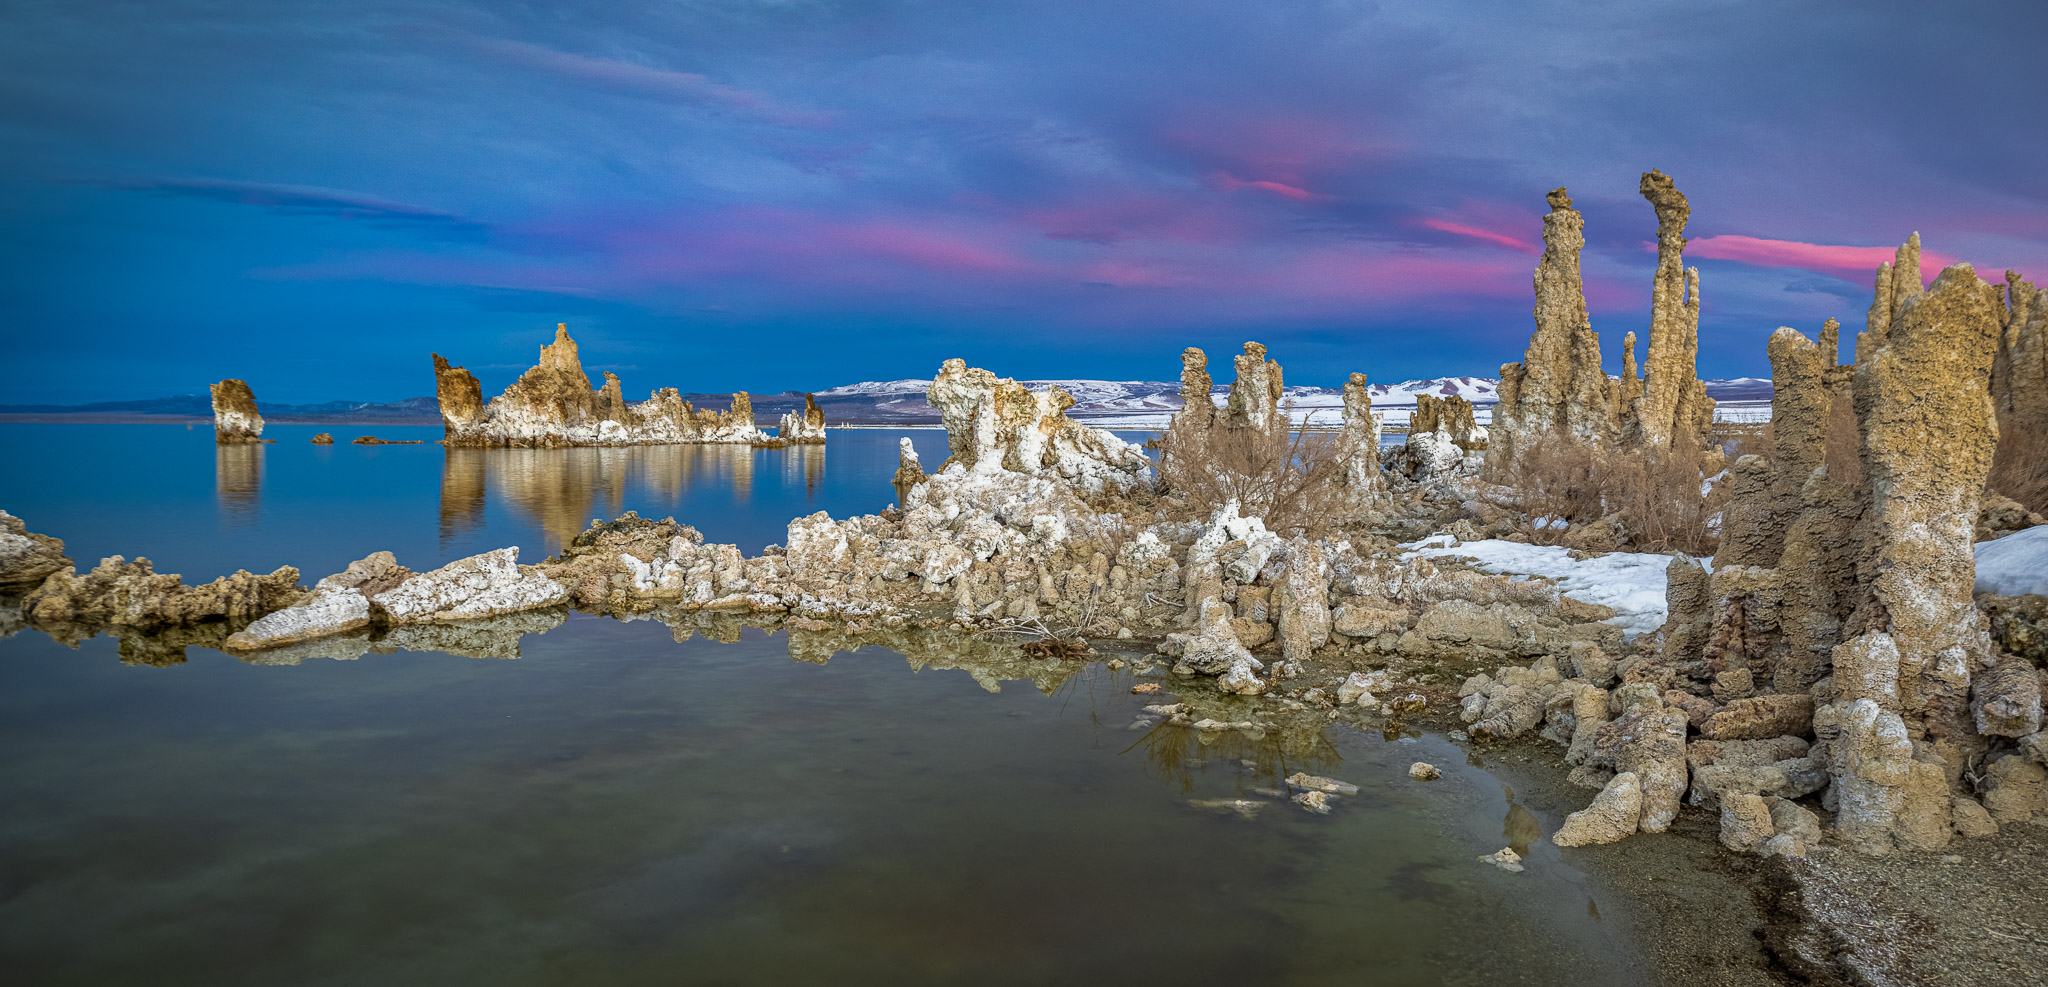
x=1834 y=647
x=1833 y=655
x=1560 y=386
x=552 y=404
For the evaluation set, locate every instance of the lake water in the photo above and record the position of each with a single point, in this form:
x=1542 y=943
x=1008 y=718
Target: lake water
x=630 y=802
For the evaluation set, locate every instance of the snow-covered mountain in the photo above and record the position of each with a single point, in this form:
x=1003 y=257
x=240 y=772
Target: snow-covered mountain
x=1145 y=404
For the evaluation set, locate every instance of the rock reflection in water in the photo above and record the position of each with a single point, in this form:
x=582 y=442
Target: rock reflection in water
x=238 y=480
x=561 y=490
x=805 y=461
x=493 y=637
x=1521 y=827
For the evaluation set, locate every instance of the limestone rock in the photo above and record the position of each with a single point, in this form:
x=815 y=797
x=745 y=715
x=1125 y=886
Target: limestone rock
x=235 y=418
x=909 y=471
x=323 y=438
x=1255 y=395
x=1971 y=818
x=1358 y=444
x=479 y=586
x=27 y=558
x=1648 y=740
x=2007 y=699
x=1791 y=818
x=1424 y=771
x=806 y=426
x=1675 y=412
x=2015 y=790
x=552 y=404
x=1759 y=717
x=994 y=424
x=1304 y=601
x=1559 y=386
x=1450 y=415
x=327 y=614
x=461 y=397
x=1745 y=822
x=1197 y=410
x=133 y=594
x=1613 y=816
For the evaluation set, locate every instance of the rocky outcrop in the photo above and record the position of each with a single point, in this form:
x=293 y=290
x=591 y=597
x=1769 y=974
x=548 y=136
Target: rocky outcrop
x=27 y=558
x=134 y=595
x=553 y=405
x=1255 y=395
x=461 y=396
x=909 y=470
x=1559 y=386
x=1841 y=603
x=1443 y=441
x=806 y=426
x=1358 y=444
x=1674 y=410
x=377 y=591
x=1614 y=814
x=1197 y=409
x=1450 y=415
x=235 y=418
x=995 y=424
x=323 y=438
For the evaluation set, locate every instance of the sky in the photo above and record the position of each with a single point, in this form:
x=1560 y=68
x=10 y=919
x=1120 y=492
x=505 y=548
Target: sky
x=780 y=194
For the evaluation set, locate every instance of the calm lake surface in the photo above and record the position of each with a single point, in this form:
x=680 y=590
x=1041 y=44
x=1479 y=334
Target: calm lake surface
x=633 y=803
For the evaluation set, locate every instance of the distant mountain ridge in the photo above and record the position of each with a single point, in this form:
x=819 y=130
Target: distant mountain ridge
x=1128 y=403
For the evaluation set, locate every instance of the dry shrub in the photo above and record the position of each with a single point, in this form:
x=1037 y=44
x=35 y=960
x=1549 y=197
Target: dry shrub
x=1655 y=495
x=1739 y=439
x=1289 y=478
x=2019 y=469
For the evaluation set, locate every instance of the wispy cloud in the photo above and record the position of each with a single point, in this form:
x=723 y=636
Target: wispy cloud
x=636 y=79
x=1282 y=189
x=304 y=200
x=1476 y=233
x=1846 y=262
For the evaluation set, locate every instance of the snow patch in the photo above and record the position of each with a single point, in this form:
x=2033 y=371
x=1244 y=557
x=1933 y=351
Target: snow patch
x=1630 y=582
x=2015 y=565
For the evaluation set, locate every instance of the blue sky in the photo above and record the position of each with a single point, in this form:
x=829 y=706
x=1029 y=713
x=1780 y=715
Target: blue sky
x=774 y=195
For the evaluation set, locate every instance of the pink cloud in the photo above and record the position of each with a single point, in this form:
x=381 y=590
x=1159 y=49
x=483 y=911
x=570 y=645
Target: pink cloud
x=1476 y=233
x=1857 y=264
x=1282 y=189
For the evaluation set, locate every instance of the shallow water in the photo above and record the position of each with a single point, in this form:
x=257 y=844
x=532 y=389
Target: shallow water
x=620 y=806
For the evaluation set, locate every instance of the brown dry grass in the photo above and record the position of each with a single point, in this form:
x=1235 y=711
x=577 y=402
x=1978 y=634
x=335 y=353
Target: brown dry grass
x=1745 y=439
x=2019 y=469
x=1656 y=496
x=1288 y=478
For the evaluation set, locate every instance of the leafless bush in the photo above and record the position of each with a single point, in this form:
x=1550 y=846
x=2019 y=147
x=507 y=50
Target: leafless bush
x=2019 y=469
x=1656 y=496
x=1290 y=478
x=1739 y=439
